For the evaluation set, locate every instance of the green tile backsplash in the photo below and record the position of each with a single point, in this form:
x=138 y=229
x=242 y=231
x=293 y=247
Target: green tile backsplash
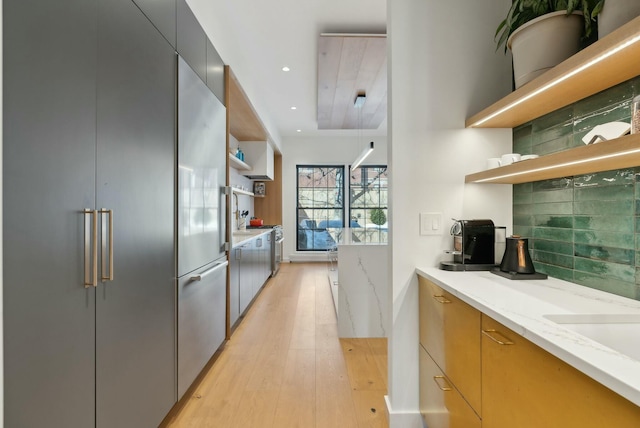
x=584 y=229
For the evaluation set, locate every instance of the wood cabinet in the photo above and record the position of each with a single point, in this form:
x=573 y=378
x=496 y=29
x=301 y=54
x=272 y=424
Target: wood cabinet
x=89 y=109
x=450 y=334
x=441 y=405
x=524 y=386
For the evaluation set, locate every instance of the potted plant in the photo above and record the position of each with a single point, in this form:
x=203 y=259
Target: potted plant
x=543 y=33
x=615 y=13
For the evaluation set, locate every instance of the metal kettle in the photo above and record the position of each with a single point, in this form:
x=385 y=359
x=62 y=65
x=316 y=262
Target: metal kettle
x=516 y=256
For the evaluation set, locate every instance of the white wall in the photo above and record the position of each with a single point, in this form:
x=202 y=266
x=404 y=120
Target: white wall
x=443 y=68
x=318 y=151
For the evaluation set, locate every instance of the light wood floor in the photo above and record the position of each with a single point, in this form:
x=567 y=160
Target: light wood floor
x=285 y=366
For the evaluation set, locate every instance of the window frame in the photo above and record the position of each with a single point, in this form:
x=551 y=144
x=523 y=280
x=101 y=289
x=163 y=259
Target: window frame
x=351 y=208
x=341 y=189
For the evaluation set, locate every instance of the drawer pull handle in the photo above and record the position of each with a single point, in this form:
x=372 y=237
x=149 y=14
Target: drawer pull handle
x=503 y=340
x=442 y=383
x=441 y=299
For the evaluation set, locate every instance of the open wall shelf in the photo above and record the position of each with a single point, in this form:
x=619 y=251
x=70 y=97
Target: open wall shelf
x=602 y=65
x=620 y=153
x=236 y=163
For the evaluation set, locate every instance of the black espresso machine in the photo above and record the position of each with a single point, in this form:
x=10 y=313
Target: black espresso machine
x=473 y=246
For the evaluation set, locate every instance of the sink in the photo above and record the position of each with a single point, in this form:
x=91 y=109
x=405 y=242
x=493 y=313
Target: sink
x=594 y=318
x=619 y=332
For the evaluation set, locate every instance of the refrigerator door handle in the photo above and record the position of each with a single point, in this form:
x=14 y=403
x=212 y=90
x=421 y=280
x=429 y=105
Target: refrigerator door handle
x=90 y=248
x=109 y=213
x=216 y=268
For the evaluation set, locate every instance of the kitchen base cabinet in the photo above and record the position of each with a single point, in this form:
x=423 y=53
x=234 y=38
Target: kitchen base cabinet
x=441 y=405
x=234 y=285
x=526 y=387
x=450 y=333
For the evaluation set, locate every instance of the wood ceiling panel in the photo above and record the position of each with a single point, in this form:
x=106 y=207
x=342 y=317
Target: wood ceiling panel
x=349 y=65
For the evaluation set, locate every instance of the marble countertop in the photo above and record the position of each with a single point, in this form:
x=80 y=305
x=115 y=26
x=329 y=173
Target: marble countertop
x=240 y=237
x=349 y=236
x=528 y=307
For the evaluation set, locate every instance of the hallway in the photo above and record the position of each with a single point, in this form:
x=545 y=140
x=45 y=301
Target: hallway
x=285 y=366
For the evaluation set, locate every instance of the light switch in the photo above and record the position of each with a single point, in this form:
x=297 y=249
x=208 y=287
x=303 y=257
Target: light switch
x=430 y=223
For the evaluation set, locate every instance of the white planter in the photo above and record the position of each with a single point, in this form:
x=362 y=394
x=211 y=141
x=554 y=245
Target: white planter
x=543 y=43
x=616 y=13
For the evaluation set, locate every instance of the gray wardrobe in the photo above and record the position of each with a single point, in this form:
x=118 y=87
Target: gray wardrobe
x=89 y=161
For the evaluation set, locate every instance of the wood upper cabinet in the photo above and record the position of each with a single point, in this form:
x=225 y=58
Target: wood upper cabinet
x=450 y=333
x=441 y=405
x=526 y=387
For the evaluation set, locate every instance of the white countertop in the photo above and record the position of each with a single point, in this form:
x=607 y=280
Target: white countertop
x=522 y=306
x=240 y=237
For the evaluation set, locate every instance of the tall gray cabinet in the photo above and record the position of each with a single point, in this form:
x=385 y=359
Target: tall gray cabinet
x=89 y=123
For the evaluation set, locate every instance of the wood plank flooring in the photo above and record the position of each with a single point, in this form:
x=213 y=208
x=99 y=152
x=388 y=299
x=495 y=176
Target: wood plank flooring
x=285 y=366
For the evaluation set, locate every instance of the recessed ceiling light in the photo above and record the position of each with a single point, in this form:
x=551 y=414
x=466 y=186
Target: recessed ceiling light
x=298 y=130
x=294 y=108
x=285 y=68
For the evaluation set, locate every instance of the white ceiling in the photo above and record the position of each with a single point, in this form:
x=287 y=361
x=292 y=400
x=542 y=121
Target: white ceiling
x=257 y=38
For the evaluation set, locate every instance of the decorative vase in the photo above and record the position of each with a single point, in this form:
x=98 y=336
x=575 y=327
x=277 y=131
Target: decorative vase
x=616 y=13
x=543 y=43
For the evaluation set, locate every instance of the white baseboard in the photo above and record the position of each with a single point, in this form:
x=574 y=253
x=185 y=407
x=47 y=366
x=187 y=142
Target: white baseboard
x=403 y=418
x=308 y=257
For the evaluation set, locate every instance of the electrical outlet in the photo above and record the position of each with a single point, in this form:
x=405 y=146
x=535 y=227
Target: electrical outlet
x=430 y=223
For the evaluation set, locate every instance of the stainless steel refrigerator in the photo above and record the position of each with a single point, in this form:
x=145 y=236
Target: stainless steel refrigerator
x=201 y=205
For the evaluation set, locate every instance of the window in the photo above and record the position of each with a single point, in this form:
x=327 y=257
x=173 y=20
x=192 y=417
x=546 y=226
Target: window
x=320 y=214
x=368 y=204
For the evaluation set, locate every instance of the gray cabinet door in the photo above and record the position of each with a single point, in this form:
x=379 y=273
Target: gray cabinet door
x=215 y=72
x=246 y=276
x=162 y=13
x=202 y=303
x=135 y=319
x=234 y=285
x=191 y=40
x=48 y=179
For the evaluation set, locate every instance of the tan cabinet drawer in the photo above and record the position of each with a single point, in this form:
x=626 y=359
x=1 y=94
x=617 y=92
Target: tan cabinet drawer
x=526 y=387
x=450 y=332
x=441 y=405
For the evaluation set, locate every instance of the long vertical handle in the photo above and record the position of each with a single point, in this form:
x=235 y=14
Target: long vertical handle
x=109 y=277
x=90 y=248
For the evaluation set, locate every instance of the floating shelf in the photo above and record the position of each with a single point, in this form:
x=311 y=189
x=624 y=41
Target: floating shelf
x=604 y=64
x=620 y=153
x=241 y=191
x=236 y=163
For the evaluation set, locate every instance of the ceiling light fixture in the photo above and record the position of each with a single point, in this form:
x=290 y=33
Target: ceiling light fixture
x=358 y=103
x=294 y=108
x=285 y=68
x=362 y=156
